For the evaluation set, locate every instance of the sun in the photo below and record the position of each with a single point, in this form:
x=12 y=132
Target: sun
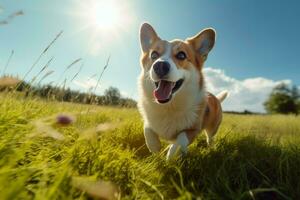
x=105 y=15
x=101 y=22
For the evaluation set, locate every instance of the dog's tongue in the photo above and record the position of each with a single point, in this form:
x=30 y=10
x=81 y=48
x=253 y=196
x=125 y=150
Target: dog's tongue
x=164 y=90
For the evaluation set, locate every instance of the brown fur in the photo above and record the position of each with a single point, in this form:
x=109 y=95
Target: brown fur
x=210 y=117
x=213 y=117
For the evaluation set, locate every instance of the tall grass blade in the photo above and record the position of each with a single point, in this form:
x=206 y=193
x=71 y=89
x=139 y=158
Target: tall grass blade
x=8 y=61
x=41 y=55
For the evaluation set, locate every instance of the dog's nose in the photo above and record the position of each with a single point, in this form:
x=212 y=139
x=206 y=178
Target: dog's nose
x=161 y=68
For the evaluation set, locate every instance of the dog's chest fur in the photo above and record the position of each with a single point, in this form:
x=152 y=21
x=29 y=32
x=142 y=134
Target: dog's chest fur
x=168 y=124
x=169 y=120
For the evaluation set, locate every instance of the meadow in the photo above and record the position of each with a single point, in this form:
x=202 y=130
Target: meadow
x=102 y=154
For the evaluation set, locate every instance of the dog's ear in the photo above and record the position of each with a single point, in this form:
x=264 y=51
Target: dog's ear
x=203 y=42
x=147 y=36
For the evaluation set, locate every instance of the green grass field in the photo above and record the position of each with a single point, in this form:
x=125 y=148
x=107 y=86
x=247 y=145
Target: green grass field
x=103 y=154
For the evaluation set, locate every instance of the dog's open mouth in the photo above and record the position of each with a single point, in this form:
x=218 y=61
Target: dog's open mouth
x=164 y=90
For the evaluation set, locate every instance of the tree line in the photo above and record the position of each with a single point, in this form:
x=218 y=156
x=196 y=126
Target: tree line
x=111 y=96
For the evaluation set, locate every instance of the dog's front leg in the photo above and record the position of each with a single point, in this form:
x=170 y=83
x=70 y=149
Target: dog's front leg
x=152 y=140
x=181 y=143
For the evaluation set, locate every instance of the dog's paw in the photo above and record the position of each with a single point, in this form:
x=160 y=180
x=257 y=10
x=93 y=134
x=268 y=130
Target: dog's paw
x=210 y=141
x=173 y=149
x=154 y=147
x=176 y=151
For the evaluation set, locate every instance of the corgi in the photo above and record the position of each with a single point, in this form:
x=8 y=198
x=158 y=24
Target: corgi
x=173 y=101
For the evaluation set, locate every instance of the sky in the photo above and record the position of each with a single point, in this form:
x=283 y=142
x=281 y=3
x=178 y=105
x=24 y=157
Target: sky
x=257 y=42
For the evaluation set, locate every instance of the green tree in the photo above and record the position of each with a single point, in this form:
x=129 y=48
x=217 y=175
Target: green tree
x=295 y=92
x=112 y=96
x=296 y=95
x=283 y=100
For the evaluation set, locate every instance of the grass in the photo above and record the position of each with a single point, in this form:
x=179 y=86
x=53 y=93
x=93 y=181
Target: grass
x=103 y=151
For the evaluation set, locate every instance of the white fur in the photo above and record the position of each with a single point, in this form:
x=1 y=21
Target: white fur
x=168 y=120
x=175 y=74
x=181 y=144
x=152 y=140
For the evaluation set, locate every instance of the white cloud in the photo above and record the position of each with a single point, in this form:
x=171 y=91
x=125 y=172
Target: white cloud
x=89 y=84
x=86 y=84
x=131 y=95
x=124 y=94
x=244 y=94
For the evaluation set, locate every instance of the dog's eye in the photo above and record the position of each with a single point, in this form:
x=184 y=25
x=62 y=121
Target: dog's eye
x=154 y=55
x=181 y=55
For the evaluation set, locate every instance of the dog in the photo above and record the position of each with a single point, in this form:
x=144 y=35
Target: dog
x=173 y=101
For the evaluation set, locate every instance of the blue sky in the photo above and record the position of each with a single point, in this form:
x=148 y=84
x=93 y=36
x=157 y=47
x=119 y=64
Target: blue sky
x=257 y=42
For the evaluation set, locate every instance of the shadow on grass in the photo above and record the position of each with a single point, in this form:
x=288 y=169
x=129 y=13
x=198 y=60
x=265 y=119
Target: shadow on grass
x=238 y=168
x=235 y=167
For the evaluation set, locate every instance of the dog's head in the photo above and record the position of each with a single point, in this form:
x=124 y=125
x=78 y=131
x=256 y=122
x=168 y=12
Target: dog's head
x=172 y=64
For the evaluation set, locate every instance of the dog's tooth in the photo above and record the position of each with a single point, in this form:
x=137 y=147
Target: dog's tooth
x=159 y=83
x=173 y=84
